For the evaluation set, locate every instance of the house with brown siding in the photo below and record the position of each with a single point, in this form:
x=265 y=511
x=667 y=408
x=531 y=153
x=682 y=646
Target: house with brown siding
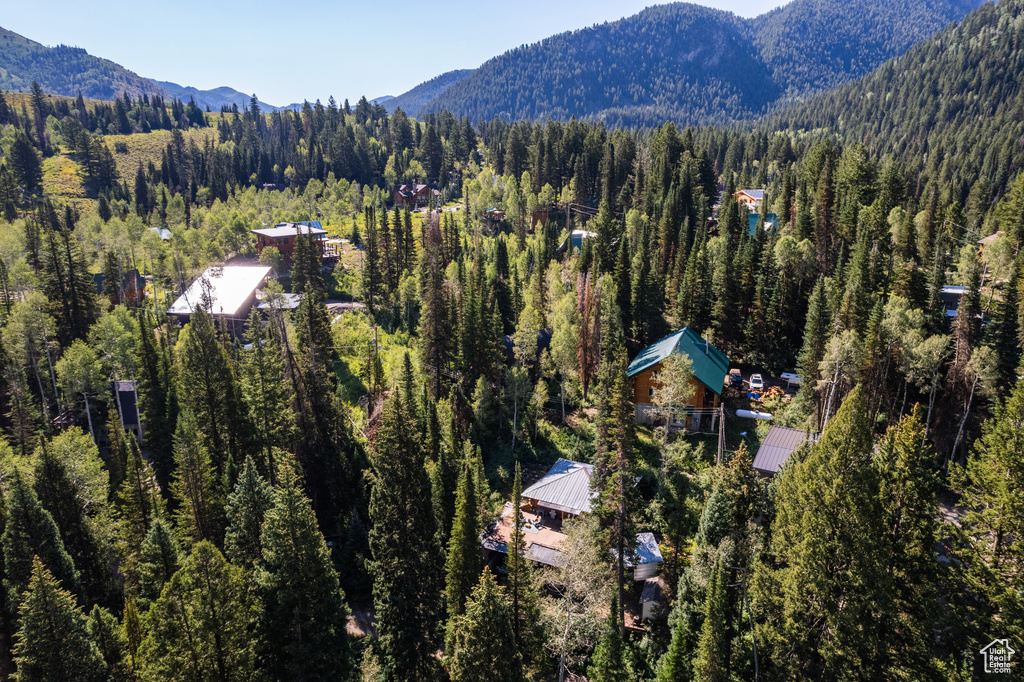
x=282 y=236
x=709 y=367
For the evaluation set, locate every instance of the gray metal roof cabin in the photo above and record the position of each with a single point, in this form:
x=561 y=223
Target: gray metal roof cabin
x=778 y=445
x=565 y=488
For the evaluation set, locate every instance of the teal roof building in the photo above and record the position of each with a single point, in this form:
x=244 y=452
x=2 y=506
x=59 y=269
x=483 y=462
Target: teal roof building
x=709 y=364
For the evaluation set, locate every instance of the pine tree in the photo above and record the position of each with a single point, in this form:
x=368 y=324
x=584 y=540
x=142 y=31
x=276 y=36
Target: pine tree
x=110 y=640
x=614 y=459
x=195 y=486
x=206 y=386
x=131 y=625
x=52 y=641
x=712 y=659
x=993 y=525
x=816 y=332
x=463 y=562
x=435 y=336
x=523 y=598
x=484 y=646
x=153 y=397
x=159 y=560
x=1003 y=329
x=824 y=584
x=202 y=627
x=139 y=499
x=72 y=486
x=406 y=565
x=607 y=663
x=304 y=608
x=30 y=534
x=246 y=508
x=906 y=545
x=675 y=663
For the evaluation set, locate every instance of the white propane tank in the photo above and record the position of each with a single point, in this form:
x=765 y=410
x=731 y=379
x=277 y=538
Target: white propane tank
x=754 y=414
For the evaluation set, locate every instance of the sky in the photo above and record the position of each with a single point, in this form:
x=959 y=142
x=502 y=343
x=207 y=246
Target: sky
x=288 y=52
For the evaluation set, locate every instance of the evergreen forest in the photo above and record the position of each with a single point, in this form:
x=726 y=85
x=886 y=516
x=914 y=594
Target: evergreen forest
x=300 y=493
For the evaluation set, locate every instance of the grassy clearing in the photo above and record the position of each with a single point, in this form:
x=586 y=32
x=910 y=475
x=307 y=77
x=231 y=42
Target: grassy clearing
x=63 y=180
x=146 y=147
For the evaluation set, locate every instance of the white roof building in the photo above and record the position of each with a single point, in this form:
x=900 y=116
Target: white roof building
x=222 y=290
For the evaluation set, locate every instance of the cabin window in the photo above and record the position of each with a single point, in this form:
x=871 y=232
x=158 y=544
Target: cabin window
x=650 y=393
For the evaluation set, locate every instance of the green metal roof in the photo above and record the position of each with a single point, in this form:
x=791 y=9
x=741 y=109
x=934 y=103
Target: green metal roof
x=709 y=363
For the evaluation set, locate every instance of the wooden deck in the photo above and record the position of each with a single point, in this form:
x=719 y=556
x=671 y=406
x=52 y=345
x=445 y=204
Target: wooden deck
x=540 y=528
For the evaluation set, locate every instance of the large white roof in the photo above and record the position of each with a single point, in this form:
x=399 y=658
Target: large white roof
x=288 y=230
x=229 y=288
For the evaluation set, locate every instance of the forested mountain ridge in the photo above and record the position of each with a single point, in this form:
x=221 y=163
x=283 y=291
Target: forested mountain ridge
x=951 y=106
x=65 y=70
x=693 y=64
x=816 y=44
x=681 y=61
x=413 y=100
x=214 y=99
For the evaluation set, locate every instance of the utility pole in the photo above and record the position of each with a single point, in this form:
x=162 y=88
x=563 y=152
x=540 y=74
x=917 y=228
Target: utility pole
x=721 y=434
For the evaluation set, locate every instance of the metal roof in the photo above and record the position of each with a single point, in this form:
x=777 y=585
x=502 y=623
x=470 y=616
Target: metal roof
x=545 y=555
x=757 y=194
x=126 y=402
x=709 y=363
x=288 y=230
x=654 y=588
x=985 y=241
x=778 y=445
x=229 y=288
x=566 y=487
x=645 y=552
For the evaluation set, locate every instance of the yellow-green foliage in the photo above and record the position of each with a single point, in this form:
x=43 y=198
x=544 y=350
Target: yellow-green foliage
x=146 y=147
x=63 y=180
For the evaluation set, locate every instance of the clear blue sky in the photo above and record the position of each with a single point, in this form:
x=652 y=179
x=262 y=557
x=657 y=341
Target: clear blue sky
x=289 y=51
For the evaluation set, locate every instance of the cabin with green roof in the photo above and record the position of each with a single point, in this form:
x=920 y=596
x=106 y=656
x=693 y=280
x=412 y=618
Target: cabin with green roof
x=709 y=368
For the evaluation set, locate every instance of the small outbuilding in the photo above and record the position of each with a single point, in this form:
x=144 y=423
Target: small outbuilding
x=652 y=598
x=777 y=446
x=126 y=400
x=575 y=240
x=646 y=559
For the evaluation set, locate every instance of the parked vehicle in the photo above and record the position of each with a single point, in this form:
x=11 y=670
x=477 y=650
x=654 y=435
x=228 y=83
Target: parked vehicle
x=734 y=378
x=756 y=382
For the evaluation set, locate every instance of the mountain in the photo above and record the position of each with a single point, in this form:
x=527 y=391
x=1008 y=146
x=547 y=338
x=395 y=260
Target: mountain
x=64 y=70
x=382 y=100
x=952 y=105
x=817 y=44
x=694 y=64
x=412 y=101
x=214 y=99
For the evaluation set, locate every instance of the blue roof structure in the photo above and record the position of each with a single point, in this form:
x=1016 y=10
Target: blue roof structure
x=753 y=219
x=709 y=363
